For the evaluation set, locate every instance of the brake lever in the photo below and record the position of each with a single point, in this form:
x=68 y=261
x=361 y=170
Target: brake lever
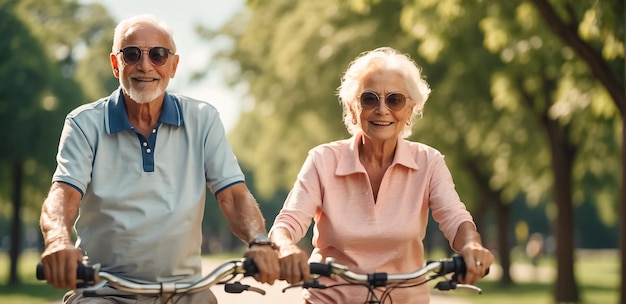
x=470 y=287
x=446 y=285
x=453 y=284
x=313 y=283
x=237 y=287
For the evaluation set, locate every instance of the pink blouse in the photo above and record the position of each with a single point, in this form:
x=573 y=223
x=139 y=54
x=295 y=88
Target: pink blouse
x=371 y=236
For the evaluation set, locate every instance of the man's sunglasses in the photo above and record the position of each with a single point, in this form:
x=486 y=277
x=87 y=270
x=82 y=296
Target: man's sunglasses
x=394 y=101
x=158 y=55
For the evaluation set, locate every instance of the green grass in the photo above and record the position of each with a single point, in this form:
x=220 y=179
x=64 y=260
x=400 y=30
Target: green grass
x=597 y=275
x=30 y=290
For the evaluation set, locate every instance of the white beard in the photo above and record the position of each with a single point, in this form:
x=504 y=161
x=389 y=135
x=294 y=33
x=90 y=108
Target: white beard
x=145 y=96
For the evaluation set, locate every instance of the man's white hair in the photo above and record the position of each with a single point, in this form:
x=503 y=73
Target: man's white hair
x=124 y=25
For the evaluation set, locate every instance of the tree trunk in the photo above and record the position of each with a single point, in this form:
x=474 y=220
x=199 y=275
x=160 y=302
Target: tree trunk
x=566 y=289
x=504 y=218
x=487 y=196
x=623 y=214
x=623 y=191
x=16 y=225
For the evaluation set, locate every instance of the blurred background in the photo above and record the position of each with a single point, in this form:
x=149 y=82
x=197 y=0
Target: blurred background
x=527 y=104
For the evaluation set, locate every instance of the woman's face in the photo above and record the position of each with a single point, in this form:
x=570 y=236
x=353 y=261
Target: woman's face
x=380 y=123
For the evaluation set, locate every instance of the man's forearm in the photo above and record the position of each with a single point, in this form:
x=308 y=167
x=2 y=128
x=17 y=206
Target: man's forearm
x=242 y=212
x=57 y=214
x=249 y=222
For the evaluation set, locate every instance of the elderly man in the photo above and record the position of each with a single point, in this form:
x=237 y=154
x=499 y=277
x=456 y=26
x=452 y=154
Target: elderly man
x=132 y=172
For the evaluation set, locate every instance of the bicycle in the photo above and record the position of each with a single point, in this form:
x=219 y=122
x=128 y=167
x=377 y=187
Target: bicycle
x=386 y=282
x=223 y=274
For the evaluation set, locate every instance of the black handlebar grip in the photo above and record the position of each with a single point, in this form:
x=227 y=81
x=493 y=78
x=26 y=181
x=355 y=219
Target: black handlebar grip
x=459 y=265
x=41 y=273
x=250 y=268
x=321 y=269
x=454 y=265
x=83 y=273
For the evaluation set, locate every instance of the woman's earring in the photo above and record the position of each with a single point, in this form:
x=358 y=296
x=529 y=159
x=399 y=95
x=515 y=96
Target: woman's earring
x=408 y=122
x=354 y=121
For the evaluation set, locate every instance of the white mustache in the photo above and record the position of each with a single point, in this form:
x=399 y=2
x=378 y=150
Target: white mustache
x=144 y=76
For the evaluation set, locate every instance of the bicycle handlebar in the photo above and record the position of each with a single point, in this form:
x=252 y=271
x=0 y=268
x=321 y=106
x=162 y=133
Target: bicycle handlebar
x=442 y=267
x=87 y=274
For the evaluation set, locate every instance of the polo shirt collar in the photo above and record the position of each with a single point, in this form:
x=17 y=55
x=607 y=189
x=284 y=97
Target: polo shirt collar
x=349 y=162
x=118 y=121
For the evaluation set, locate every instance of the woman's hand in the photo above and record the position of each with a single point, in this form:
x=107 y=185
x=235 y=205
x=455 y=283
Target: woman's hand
x=477 y=258
x=294 y=265
x=477 y=261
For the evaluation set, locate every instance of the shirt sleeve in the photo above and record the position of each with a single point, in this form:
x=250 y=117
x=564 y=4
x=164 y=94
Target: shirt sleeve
x=221 y=166
x=446 y=206
x=303 y=201
x=74 y=157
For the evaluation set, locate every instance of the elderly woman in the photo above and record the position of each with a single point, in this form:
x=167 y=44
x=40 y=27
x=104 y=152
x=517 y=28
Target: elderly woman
x=370 y=194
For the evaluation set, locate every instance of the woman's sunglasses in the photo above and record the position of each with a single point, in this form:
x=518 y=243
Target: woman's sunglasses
x=158 y=55
x=394 y=101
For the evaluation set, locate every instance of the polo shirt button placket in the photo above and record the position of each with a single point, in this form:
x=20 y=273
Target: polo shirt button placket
x=145 y=144
x=150 y=150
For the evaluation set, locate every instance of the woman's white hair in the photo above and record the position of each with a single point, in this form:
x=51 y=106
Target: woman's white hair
x=124 y=25
x=384 y=58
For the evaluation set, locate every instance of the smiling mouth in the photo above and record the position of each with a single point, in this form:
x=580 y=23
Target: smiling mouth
x=381 y=123
x=145 y=79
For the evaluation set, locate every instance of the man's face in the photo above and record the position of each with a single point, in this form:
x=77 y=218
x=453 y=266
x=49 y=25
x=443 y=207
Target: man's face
x=145 y=80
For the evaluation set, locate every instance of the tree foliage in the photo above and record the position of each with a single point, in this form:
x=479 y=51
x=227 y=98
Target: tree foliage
x=45 y=70
x=292 y=54
x=46 y=78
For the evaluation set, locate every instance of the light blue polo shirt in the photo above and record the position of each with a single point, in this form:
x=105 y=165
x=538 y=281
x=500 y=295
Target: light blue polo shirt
x=143 y=198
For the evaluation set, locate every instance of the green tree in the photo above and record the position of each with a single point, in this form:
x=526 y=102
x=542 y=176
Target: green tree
x=573 y=107
x=43 y=46
x=25 y=70
x=595 y=32
x=79 y=38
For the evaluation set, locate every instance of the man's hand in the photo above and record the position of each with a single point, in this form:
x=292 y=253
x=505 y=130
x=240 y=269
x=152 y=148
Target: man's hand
x=266 y=260
x=60 y=261
x=61 y=258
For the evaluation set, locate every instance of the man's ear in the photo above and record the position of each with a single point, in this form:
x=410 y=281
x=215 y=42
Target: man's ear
x=174 y=66
x=114 y=65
